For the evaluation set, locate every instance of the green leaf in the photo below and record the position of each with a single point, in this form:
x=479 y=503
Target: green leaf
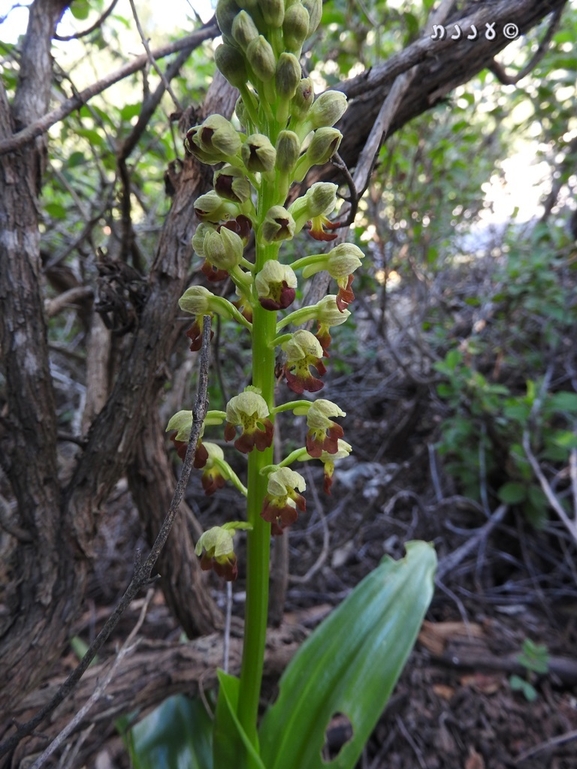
x=564 y=401
x=177 y=734
x=350 y=664
x=512 y=493
x=55 y=210
x=80 y=9
x=520 y=685
x=232 y=747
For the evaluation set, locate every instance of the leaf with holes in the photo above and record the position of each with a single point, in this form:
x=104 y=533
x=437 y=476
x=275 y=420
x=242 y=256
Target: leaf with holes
x=349 y=665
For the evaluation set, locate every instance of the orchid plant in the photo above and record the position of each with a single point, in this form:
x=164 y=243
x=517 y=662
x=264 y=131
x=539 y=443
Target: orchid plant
x=350 y=664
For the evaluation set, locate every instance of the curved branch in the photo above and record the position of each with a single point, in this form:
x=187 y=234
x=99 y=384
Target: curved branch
x=499 y=70
x=97 y=23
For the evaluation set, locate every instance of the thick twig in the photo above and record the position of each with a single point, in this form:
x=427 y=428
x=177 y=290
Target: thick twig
x=126 y=648
x=143 y=570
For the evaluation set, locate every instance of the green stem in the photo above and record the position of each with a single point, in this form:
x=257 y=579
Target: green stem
x=258 y=539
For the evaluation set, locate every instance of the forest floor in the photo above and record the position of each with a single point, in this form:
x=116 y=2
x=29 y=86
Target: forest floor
x=501 y=582
x=454 y=706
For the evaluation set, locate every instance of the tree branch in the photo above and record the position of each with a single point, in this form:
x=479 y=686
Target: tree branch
x=42 y=124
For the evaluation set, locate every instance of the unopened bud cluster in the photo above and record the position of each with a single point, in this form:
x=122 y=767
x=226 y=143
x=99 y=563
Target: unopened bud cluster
x=285 y=131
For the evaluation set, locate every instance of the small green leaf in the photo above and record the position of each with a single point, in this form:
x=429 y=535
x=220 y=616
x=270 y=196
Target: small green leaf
x=520 y=685
x=350 y=664
x=80 y=9
x=564 y=401
x=55 y=210
x=512 y=493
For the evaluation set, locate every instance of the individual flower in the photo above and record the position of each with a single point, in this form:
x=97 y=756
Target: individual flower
x=303 y=99
x=216 y=549
x=275 y=285
x=223 y=248
x=181 y=422
x=244 y=30
x=214 y=474
x=199 y=301
x=231 y=184
x=258 y=154
x=213 y=141
x=329 y=314
x=261 y=58
x=295 y=27
x=210 y=207
x=249 y=411
x=328 y=460
x=327 y=109
x=340 y=263
x=288 y=75
x=282 y=500
x=242 y=225
x=314 y=207
x=278 y=225
x=232 y=64
x=288 y=147
x=323 y=434
x=303 y=350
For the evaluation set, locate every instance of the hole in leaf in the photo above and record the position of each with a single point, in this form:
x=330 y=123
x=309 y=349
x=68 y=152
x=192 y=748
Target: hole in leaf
x=338 y=732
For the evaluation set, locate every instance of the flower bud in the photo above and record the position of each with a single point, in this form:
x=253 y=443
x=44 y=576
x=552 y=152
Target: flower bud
x=231 y=63
x=198 y=238
x=278 y=225
x=295 y=27
x=197 y=300
x=302 y=345
x=323 y=146
x=261 y=58
x=303 y=99
x=211 y=207
x=244 y=30
x=328 y=313
x=288 y=75
x=315 y=9
x=226 y=11
x=319 y=201
x=272 y=12
x=231 y=184
x=343 y=260
x=216 y=139
x=258 y=154
x=327 y=109
x=223 y=249
x=275 y=285
x=288 y=149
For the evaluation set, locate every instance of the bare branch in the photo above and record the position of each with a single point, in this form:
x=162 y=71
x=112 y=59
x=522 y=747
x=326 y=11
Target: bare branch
x=42 y=124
